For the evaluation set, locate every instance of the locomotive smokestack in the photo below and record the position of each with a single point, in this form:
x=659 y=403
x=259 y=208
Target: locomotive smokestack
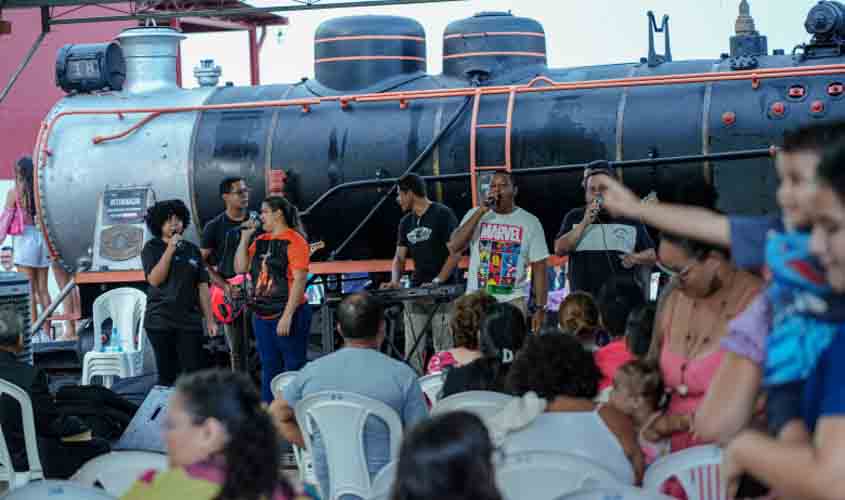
x=150 y=54
x=747 y=42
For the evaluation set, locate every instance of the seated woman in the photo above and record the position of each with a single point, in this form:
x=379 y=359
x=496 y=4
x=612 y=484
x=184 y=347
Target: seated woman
x=465 y=325
x=705 y=294
x=502 y=334
x=450 y=456
x=558 y=369
x=579 y=314
x=221 y=444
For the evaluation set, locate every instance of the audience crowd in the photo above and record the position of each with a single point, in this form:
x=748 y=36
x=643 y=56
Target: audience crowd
x=741 y=350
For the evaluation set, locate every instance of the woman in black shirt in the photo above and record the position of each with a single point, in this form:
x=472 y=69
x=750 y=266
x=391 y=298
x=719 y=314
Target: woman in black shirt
x=177 y=296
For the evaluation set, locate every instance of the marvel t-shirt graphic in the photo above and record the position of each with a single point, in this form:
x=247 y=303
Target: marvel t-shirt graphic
x=499 y=247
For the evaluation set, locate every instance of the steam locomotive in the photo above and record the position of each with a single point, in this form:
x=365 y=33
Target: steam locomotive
x=127 y=134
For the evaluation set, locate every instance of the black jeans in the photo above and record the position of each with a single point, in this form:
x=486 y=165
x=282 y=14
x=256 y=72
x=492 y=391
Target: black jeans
x=177 y=352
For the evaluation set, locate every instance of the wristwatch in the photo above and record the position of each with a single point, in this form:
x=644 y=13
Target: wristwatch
x=533 y=308
x=436 y=280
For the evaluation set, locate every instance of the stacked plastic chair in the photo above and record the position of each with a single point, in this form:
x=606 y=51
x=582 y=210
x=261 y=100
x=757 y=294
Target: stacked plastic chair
x=125 y=307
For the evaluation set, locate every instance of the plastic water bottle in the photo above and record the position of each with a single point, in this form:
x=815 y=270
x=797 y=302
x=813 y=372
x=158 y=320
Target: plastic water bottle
x=114 y=342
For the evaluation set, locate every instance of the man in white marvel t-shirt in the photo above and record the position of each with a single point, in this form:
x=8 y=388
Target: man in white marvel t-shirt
x=503 y=240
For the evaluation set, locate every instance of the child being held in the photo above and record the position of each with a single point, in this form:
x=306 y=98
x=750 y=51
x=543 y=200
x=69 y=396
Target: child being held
x=638 y=392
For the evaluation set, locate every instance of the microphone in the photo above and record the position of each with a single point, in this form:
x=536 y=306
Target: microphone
x=491 y=201
x=597 y=203
x=254 y=218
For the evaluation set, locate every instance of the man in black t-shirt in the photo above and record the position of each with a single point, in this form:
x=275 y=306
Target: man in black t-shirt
x=601 y=247
x=423 y=234
x=220 y=239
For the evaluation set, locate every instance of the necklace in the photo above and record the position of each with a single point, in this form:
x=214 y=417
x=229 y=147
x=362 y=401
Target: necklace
x=694 y=345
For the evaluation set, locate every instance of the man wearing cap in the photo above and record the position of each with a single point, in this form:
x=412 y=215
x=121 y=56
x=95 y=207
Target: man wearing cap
x=64 y=442
x=601 y=247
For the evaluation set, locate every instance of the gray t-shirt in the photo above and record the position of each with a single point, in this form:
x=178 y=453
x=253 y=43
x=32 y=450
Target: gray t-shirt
x=369 y=373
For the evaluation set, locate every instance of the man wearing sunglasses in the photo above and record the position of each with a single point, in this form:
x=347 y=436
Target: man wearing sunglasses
x=599 y=246
x=220 y=239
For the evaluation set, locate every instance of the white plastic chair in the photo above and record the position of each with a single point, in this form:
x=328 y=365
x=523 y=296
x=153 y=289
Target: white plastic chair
x=580 y=434
x=105 y=365
x=481 y=403
x=383 y=481
x=304 y=464
x=432 y=385
x=125 y=307
x=546 y=475
x=340 y=418
x=52 y=489
x=7 y=470
x=698 y=469
x=614 y=493
x=115 y=472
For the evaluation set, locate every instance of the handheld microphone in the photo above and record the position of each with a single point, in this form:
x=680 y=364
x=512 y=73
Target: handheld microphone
x=491 y=201
x=254 y=218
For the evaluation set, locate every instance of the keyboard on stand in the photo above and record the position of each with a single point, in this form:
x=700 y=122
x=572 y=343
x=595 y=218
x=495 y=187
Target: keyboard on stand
x=442 y=293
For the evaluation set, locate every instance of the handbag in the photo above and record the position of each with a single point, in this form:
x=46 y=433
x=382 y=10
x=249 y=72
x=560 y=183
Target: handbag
x=11 y=221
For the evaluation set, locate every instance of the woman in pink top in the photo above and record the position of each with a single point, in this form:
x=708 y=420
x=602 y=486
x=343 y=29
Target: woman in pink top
x=705 y=294
x=465 y=324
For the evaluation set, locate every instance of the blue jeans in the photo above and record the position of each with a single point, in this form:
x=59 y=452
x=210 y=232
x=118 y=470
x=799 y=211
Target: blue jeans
x=274 y=349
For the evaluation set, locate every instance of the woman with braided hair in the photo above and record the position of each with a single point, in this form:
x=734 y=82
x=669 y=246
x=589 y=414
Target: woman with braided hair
x=222 y=444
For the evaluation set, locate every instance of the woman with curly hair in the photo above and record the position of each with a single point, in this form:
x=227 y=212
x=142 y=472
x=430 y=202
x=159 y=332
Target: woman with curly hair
x=222 y=444
x=503 y=331
x=177 y=298
x=558 y=369
x=448 y=457
x=465 y=325
x=579 y=315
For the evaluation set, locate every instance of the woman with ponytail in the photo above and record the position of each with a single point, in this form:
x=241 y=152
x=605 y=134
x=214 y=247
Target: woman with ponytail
x=277 y=262
x=503 y=331
x=30 y=251
x=222 y=444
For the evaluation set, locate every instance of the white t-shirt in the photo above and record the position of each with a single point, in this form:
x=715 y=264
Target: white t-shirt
x=500 y=251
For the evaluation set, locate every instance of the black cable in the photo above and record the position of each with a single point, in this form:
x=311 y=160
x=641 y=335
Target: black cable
x=411 y=168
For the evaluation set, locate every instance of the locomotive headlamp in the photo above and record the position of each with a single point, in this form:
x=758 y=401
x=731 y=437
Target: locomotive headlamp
x=90 y=67
x=826 y=21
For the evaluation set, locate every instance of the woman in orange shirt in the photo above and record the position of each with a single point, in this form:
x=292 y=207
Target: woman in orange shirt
x=277 y=261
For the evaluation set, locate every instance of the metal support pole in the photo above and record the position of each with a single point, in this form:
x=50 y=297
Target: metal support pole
x=254 y=64
x=49 y=311
x=177 y=25
x=45 y=28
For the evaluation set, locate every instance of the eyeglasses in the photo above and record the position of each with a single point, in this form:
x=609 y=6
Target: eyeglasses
x=675 y=272
x=242 y=192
